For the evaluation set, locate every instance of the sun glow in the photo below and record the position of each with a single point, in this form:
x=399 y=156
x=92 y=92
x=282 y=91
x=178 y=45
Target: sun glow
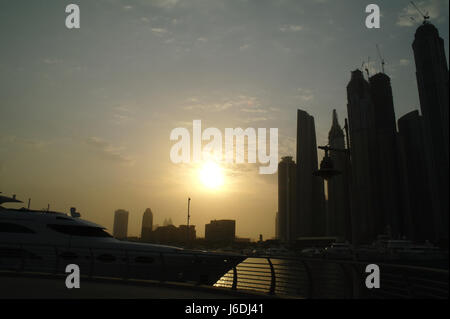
x=211 y=175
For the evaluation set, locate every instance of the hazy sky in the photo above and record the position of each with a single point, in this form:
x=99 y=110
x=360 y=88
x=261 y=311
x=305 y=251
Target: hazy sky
x=86 y=114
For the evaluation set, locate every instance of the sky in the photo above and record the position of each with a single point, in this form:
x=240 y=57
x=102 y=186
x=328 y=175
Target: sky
x=86 y=114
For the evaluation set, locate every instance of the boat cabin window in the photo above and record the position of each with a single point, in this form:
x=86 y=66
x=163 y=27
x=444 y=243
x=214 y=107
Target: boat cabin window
x=75 y=230
x=14 y=228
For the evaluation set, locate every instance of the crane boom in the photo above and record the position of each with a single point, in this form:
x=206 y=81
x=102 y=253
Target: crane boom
x=425 y=16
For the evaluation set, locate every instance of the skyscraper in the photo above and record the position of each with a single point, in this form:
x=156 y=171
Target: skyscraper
x=147 y=225
x=423 y=217
x=120 y=230
x=287 y=200
x=361 y=116
x=432 y=81
x=387 y=179
x=311 y=219
x=339 y=223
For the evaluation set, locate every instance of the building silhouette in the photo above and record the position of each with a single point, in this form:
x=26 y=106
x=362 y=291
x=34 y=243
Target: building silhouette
x=220 y=231
x=389 y=196
x=338 y=211
x=287 y=215
x=170 y=234
x=365 y=217
x=147 y=225
x=392 y=182
x=417 y=178
x=187 y=235
x=120 y=229
x=310 y=219
x=432 y=82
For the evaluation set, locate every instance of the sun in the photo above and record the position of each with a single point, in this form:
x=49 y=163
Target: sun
x=211 y=175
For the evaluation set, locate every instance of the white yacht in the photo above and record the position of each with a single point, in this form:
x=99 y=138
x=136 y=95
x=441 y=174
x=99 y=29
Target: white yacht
x=45 y=241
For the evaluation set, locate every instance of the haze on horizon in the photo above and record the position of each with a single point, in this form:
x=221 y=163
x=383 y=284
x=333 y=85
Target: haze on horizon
x=87 y=114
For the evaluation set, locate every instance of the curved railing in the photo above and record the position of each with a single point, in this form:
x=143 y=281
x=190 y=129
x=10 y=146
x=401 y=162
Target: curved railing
x=337 y=279
x=292 y=277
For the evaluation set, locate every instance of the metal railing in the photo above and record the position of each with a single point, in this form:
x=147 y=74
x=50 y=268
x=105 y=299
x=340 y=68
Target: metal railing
x=335 y=279
x=293 y=277
x=177 y=265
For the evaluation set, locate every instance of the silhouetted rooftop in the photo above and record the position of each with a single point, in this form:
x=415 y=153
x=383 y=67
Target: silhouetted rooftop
x=426 y=29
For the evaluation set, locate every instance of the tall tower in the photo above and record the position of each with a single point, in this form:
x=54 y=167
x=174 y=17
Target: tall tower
x=432 y=81
x=147 y=225
x=423 y=218
x=120 y=230
x=387 y=179
x=339 y=223
x=287 y=200
x=361 y=116
x=311 y=200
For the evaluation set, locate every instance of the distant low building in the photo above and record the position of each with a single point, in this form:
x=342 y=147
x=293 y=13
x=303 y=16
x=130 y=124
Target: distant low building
x=183 y=229
x=242 y=240
x=220 y=231
x=170 y=234
x=317 y=242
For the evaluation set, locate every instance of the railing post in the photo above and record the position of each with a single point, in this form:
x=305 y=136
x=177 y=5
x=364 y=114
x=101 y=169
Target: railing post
x=235 y=279
x=273 y=280
x=91 y=264
x=56 y=260
x=310 y=279
x=348 y=283
x=22 y=258
x=408 y=285
x=163 y=267
x=358 y=279
x=127 y=267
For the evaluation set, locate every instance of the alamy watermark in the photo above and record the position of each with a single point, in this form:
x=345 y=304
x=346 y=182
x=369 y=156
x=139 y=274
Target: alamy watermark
x=73 y=279
x=373 y=279
x=73 y=17
x=235 y=140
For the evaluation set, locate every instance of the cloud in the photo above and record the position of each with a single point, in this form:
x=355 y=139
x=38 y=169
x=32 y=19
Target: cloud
x=108 y=151
x=239 y=102
x=244 y=47
x=254 y=120
x=27 y=142
x=160 y=32
x=246 y=110
x=287 y=145
x=165 y=4
x=404 y=62
x=52 y=61
x=305 y=95
x=291 y=28
x=122 y=114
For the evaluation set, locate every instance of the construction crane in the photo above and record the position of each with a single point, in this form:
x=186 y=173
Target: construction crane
x=381 y=58
x=367 y=68
x=425 y=16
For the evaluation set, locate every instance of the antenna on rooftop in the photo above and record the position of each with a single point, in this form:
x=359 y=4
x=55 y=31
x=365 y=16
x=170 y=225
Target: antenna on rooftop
x=381 y=58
